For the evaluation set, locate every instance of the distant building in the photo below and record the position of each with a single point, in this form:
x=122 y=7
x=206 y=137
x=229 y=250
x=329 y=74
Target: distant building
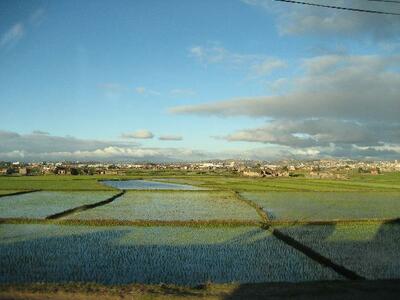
x=253 y=173
x=23 y=171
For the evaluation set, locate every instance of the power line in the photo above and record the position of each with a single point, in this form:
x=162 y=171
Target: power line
x=342 y=8
x=388 y=1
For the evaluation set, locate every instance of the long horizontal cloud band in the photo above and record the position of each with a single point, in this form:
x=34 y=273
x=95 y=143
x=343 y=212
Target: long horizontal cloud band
x=343 y=87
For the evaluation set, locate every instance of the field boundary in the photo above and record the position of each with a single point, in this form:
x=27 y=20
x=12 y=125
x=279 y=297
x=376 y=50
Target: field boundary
x=84 y=207
x=258 y=208
x=333 y=222
x=371 y=289
x=19 y=193
x=144 y=223
x=314 y=255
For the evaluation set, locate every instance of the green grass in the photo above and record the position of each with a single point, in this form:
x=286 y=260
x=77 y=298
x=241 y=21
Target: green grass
x=386 y=182
x=311 y=206
x=169 y=206
x=371 y=251
x=174 y=255
x=224 y=181
x=43 y=204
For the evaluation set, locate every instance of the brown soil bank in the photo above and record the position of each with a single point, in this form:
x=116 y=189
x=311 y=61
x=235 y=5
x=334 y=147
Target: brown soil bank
x=380 y=289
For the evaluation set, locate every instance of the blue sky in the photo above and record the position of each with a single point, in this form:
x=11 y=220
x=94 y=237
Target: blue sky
x=119 y=75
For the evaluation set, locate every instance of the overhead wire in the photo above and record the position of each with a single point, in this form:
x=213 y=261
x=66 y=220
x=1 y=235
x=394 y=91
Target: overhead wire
x=386 y=1
x=342 y=7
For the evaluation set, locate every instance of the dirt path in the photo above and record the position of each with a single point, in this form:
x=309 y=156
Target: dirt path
x=384 y=289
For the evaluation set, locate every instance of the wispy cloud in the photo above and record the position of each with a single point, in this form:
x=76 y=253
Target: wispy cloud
x=215 y=53
x=257 y=65
x=139 y=134
x=141 y=90
x=11 y=37
x=18 y=30
x=37 y=16
x=267 y=66
x=170 y=138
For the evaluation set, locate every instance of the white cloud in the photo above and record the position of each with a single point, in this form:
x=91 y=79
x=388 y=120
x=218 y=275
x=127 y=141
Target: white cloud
x=296 y=19
x=339 y=106
x=38 y=147
x=320 y=132
x=12 y=35
x=34 y=147
x=139 y=134
x=256 y=64
x=146 y=92
x=346 y=87
x=40 y=142
x=170 y=138
x=268 y=66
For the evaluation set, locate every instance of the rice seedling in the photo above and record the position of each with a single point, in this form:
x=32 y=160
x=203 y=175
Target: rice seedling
x=169 y=206
x=175 y=255
x=43 y=204
x=327 y=206
x=371 y=250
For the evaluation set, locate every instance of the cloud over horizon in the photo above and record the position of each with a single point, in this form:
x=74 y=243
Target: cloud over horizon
x=139 y=134
x=43 y=147
x=341 y=105
x=170 y=138
x=40 y=145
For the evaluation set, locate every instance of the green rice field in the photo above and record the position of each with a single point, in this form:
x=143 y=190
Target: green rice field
x=358 y=182
x=42 y=204
x=169 y=206
x=309 y=206
x=218 y=234
x=371 y=250
x=179 y=255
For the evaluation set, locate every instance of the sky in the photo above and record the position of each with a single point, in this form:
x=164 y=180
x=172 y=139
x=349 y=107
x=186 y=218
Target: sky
x=196 y=80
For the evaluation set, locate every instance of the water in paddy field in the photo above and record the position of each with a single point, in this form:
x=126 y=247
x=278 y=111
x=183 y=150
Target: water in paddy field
x=147 y=185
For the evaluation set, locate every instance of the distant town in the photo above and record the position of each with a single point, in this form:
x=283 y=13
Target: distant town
x=326 y=168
